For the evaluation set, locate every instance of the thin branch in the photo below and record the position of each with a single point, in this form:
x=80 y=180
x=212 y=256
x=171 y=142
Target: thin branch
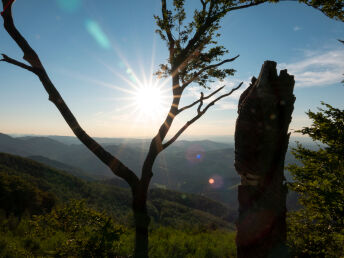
x=200 y=103
x=197 y=101
x=208 y=21
x=221 y=97
x=117 y=167
x=165 y=18
x=200 y=113
x=204 y=5
x=17 y=63
x=245 y=6
x=184 y=54
x=207 y=68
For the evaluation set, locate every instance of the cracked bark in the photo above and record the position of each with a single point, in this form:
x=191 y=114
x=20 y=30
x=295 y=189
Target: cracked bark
x=261 y=142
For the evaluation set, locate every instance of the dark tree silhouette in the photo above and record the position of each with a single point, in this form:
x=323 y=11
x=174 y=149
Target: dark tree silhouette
x=261 y=142
x=192 y=63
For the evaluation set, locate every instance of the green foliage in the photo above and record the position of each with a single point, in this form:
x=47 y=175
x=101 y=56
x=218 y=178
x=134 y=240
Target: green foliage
x=73 y=230
x=88 y=232
x=180 y=216
x=45 y=186
x=46 y=179
x=77 y=229
x=18 y=196
x=331 y=8
x=192 y=43
x=193 y=201
x=318 y=228
x=171 y=243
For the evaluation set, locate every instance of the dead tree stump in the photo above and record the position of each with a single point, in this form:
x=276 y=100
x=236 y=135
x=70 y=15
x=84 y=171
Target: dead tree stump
x=261 y=142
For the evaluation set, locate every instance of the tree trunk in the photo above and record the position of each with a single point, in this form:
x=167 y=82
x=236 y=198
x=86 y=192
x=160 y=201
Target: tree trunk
x=141 y=219
x=261 y=142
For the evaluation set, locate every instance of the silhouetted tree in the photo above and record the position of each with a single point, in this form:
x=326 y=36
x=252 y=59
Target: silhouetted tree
x=191 y=60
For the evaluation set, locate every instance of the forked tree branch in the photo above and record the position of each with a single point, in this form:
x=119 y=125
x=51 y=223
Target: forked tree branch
x=198 y=101
x=200 y=113
x=204 y=5
x=185 y=84
x=17 y=63
x=117 y=167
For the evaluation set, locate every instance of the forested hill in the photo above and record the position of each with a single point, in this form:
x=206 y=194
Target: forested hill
x=27 y=186
x=184 y=167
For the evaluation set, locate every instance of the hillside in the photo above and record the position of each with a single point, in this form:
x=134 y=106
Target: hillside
x=178 y=168
x=116 y=201
x=186 y=166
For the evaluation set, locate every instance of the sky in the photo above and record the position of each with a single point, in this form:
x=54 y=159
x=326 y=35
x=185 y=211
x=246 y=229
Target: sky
x=101 y=56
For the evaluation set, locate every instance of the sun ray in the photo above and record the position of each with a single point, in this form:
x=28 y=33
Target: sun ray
x=96 y=81
x=148 y=97
x=116 y=73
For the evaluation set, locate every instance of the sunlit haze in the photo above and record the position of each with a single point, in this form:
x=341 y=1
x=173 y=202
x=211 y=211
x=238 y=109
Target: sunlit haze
x=102 y=56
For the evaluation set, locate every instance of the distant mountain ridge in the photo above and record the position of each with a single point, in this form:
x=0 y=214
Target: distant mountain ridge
x=185 y=166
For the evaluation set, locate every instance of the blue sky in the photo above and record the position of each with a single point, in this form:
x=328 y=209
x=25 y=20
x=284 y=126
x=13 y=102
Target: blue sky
x=97 y=51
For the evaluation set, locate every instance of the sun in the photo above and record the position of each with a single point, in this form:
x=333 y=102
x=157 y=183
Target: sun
x=149 y=100
x=144 y=99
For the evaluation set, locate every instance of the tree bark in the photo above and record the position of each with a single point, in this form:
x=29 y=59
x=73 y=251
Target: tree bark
x=141 y=219
x=261 y=142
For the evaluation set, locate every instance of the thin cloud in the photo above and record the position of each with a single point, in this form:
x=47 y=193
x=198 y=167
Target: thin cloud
x=296 y=28
x=225 y=105
x=320 y=69
x=232 y=83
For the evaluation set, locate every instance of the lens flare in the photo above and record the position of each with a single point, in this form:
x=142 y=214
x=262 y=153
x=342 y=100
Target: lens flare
x=216 y=182
x=97 y=33
x=195 y=154
x=69 y=5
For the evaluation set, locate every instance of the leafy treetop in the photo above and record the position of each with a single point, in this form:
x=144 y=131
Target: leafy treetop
x=193 y=46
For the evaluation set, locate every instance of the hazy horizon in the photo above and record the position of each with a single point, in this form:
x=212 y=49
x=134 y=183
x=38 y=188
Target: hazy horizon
x=101 y=60
x=215 y=138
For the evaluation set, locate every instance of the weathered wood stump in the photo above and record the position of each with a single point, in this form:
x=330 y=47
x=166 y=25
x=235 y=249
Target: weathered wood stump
x=261 y=142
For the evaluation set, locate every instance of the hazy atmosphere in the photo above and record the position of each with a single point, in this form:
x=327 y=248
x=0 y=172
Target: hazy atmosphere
x=101 y=57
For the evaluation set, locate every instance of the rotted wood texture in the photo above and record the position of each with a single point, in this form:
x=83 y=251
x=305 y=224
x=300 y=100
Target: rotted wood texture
x=261 y=142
